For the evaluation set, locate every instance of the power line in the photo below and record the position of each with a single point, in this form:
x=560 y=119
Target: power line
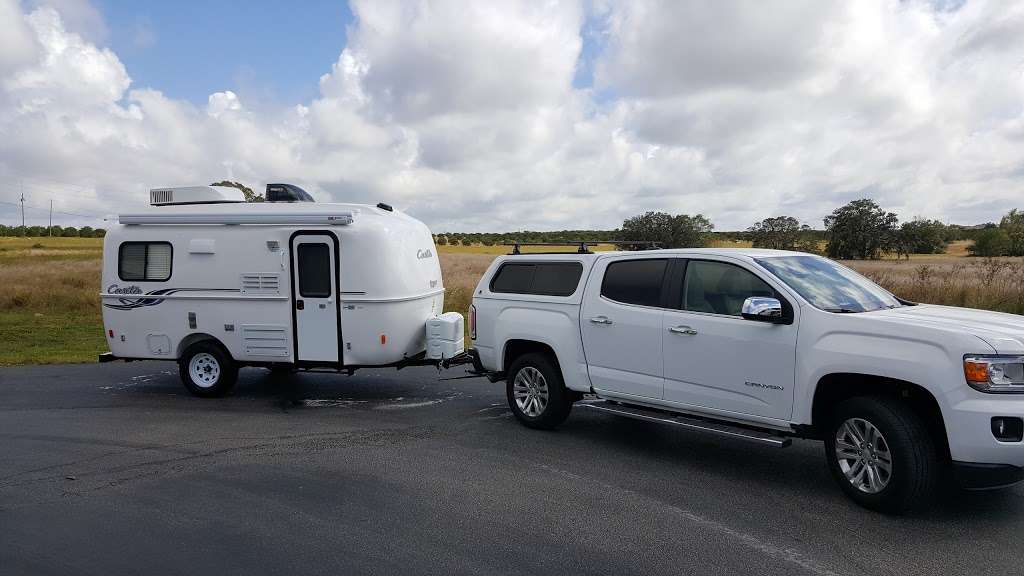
x=93 y=216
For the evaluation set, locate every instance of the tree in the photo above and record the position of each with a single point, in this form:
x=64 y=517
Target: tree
x=250 y=196
x=680 y=231
x=780 y=233
x=442 y=240
x=990 y=242
x=86 y=232
x=859 y=230
x=1013 y=225
x=920 y=236
x=99 y=233
x=70 y=232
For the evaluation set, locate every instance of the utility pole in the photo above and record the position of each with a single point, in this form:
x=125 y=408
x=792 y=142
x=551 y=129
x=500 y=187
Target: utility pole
x=50 y=227
x=22 y=209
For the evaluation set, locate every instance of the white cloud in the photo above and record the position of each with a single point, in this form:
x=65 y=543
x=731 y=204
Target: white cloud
x=465 y=113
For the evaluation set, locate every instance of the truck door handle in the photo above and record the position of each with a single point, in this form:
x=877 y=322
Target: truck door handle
x=683 y=330
x=601 y=320
x=300 y=305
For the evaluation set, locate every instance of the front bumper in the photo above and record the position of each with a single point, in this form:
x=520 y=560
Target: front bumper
x=969 y=430
x=979 y=476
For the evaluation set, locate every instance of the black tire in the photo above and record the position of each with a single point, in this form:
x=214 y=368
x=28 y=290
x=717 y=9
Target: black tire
x=544 y=415
x=915 y=468
x=213 y=360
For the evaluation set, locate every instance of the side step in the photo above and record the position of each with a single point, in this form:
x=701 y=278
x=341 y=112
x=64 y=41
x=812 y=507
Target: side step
x=660 y=416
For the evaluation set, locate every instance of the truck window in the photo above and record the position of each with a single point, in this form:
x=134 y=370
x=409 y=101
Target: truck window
x=540 y=278
x=720 y=288
x=144 y=261
x=635 y=281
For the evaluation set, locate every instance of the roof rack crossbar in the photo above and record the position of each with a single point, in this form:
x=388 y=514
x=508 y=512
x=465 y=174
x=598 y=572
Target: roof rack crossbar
x=583 y=245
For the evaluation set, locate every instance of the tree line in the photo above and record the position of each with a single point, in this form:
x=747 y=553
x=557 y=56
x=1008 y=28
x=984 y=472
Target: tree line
x=58 y=231
x=859 y=230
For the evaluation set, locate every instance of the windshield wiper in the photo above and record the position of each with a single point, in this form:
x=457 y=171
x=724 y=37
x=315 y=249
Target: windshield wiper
x=841 y=310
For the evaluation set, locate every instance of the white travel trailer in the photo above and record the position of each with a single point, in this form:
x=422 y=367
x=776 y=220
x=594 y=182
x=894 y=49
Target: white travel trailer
x=214 y=282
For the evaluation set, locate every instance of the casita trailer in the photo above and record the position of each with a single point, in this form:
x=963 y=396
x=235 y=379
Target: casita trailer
x=211 y=281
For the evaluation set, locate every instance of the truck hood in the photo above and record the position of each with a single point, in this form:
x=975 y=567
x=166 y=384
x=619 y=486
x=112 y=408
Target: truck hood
x=1002 y=331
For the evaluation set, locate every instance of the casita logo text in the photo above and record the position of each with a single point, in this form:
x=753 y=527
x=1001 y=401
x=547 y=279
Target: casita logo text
x=115 y=289
x=423 y=254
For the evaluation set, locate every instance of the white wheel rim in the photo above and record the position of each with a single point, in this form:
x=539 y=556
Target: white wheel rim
x=863 y=455
x=204 y=369
x=530 y=391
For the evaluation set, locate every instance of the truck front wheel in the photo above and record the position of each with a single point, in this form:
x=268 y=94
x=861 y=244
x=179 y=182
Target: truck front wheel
x=207 y=370
x=880 y=452
x=536 y=392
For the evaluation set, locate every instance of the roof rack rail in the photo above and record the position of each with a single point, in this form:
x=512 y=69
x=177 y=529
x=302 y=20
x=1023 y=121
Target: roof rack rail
x=583 y=245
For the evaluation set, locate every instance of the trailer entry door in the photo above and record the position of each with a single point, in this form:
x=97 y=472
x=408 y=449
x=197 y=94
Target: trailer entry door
x=314 y=297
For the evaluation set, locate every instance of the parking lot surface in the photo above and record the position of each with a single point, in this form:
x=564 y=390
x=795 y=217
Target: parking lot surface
x=116 y=469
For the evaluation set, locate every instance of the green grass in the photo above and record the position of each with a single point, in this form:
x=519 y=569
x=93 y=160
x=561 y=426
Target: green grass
x=49 y=338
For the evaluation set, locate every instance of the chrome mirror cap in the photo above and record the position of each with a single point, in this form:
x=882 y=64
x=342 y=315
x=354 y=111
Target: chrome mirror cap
x=763 y=309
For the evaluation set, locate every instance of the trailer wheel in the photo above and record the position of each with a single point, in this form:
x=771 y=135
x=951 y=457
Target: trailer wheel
x=207 y=370
x=536 y=392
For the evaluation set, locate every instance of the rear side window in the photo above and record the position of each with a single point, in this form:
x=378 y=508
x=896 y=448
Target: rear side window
x=635 y=281
x=145 y=261
x=540 y=278
x=314 y=270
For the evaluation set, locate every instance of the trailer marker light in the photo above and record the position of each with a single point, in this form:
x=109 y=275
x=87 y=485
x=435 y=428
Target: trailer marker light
x=110 y=333
x=383 y=339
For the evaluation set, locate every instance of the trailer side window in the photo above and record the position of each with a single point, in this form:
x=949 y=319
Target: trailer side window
x=314 y=270
x=635 y=281
x=540 y=278
x=145 y=261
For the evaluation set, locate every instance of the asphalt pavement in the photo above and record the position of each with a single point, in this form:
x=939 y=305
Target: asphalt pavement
x=115 y=469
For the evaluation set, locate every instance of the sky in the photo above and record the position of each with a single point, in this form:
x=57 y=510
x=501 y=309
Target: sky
x=510 y=115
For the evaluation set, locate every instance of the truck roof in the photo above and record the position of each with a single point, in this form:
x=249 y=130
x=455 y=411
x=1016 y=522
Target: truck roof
x=740 y=252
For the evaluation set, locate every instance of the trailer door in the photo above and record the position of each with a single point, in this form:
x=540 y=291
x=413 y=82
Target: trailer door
x=315 y=297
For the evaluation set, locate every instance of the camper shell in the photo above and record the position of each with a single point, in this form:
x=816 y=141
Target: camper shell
x=293 y=284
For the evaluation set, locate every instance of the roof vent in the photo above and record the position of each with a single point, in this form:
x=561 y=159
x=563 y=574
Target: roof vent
x=384 y=206
x=287 y=193
x=195 y=195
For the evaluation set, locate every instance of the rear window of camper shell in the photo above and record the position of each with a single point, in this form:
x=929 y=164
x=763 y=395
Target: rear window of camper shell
x=537 y=278
x=144 y=261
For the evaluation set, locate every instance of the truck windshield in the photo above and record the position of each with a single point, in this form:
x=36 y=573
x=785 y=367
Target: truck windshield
x=828 y=285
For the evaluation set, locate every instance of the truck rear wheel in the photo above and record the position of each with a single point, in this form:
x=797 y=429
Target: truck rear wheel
x=882 y=454
x=207 y=370
x=536 y=392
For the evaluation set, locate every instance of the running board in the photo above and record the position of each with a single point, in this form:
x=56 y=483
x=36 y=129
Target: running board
x=660 y=416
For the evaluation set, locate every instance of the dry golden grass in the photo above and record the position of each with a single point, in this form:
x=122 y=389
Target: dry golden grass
x=50 y=310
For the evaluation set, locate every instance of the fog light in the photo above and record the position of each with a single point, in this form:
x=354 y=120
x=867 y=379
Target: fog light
x=1008 y=429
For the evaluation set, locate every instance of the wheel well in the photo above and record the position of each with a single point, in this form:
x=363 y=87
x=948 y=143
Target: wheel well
x=835 y=388
x=516 y=348
x=198 y=337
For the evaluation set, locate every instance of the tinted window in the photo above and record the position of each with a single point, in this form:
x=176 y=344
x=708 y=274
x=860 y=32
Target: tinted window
x=720 y=288
x=542 y=278
x=144 y=261
x=634 y=281
x=314 y=270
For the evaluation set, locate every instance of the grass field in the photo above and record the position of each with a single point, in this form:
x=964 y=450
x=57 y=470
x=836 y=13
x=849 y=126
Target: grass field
x=50 y=311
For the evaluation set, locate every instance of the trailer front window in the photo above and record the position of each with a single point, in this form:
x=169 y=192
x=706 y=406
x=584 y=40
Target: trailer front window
x=145 y=261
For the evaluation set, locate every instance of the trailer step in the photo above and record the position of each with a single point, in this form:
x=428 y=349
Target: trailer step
x=663 y=417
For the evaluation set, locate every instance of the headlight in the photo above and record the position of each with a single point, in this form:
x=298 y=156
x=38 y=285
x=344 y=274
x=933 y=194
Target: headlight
x=995 y=374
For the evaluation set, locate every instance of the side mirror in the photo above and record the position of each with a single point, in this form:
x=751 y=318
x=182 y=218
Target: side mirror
x=762 y=309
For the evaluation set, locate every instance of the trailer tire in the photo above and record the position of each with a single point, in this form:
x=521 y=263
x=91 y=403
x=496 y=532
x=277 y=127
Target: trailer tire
x=207 y=370
x=536 y=392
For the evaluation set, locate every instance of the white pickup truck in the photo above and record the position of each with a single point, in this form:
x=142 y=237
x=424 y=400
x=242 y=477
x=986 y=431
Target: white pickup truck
x=763 y=345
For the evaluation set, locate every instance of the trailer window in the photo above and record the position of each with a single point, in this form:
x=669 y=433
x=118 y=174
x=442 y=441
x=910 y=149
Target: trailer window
x=145 y=261
x=540 y=278
x=314 y=270
x=635 y=281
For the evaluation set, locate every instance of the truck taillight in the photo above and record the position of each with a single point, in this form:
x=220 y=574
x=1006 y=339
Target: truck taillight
x=472 y=322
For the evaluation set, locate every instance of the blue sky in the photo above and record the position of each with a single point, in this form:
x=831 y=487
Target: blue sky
x=269 y=52
x=512 y=114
